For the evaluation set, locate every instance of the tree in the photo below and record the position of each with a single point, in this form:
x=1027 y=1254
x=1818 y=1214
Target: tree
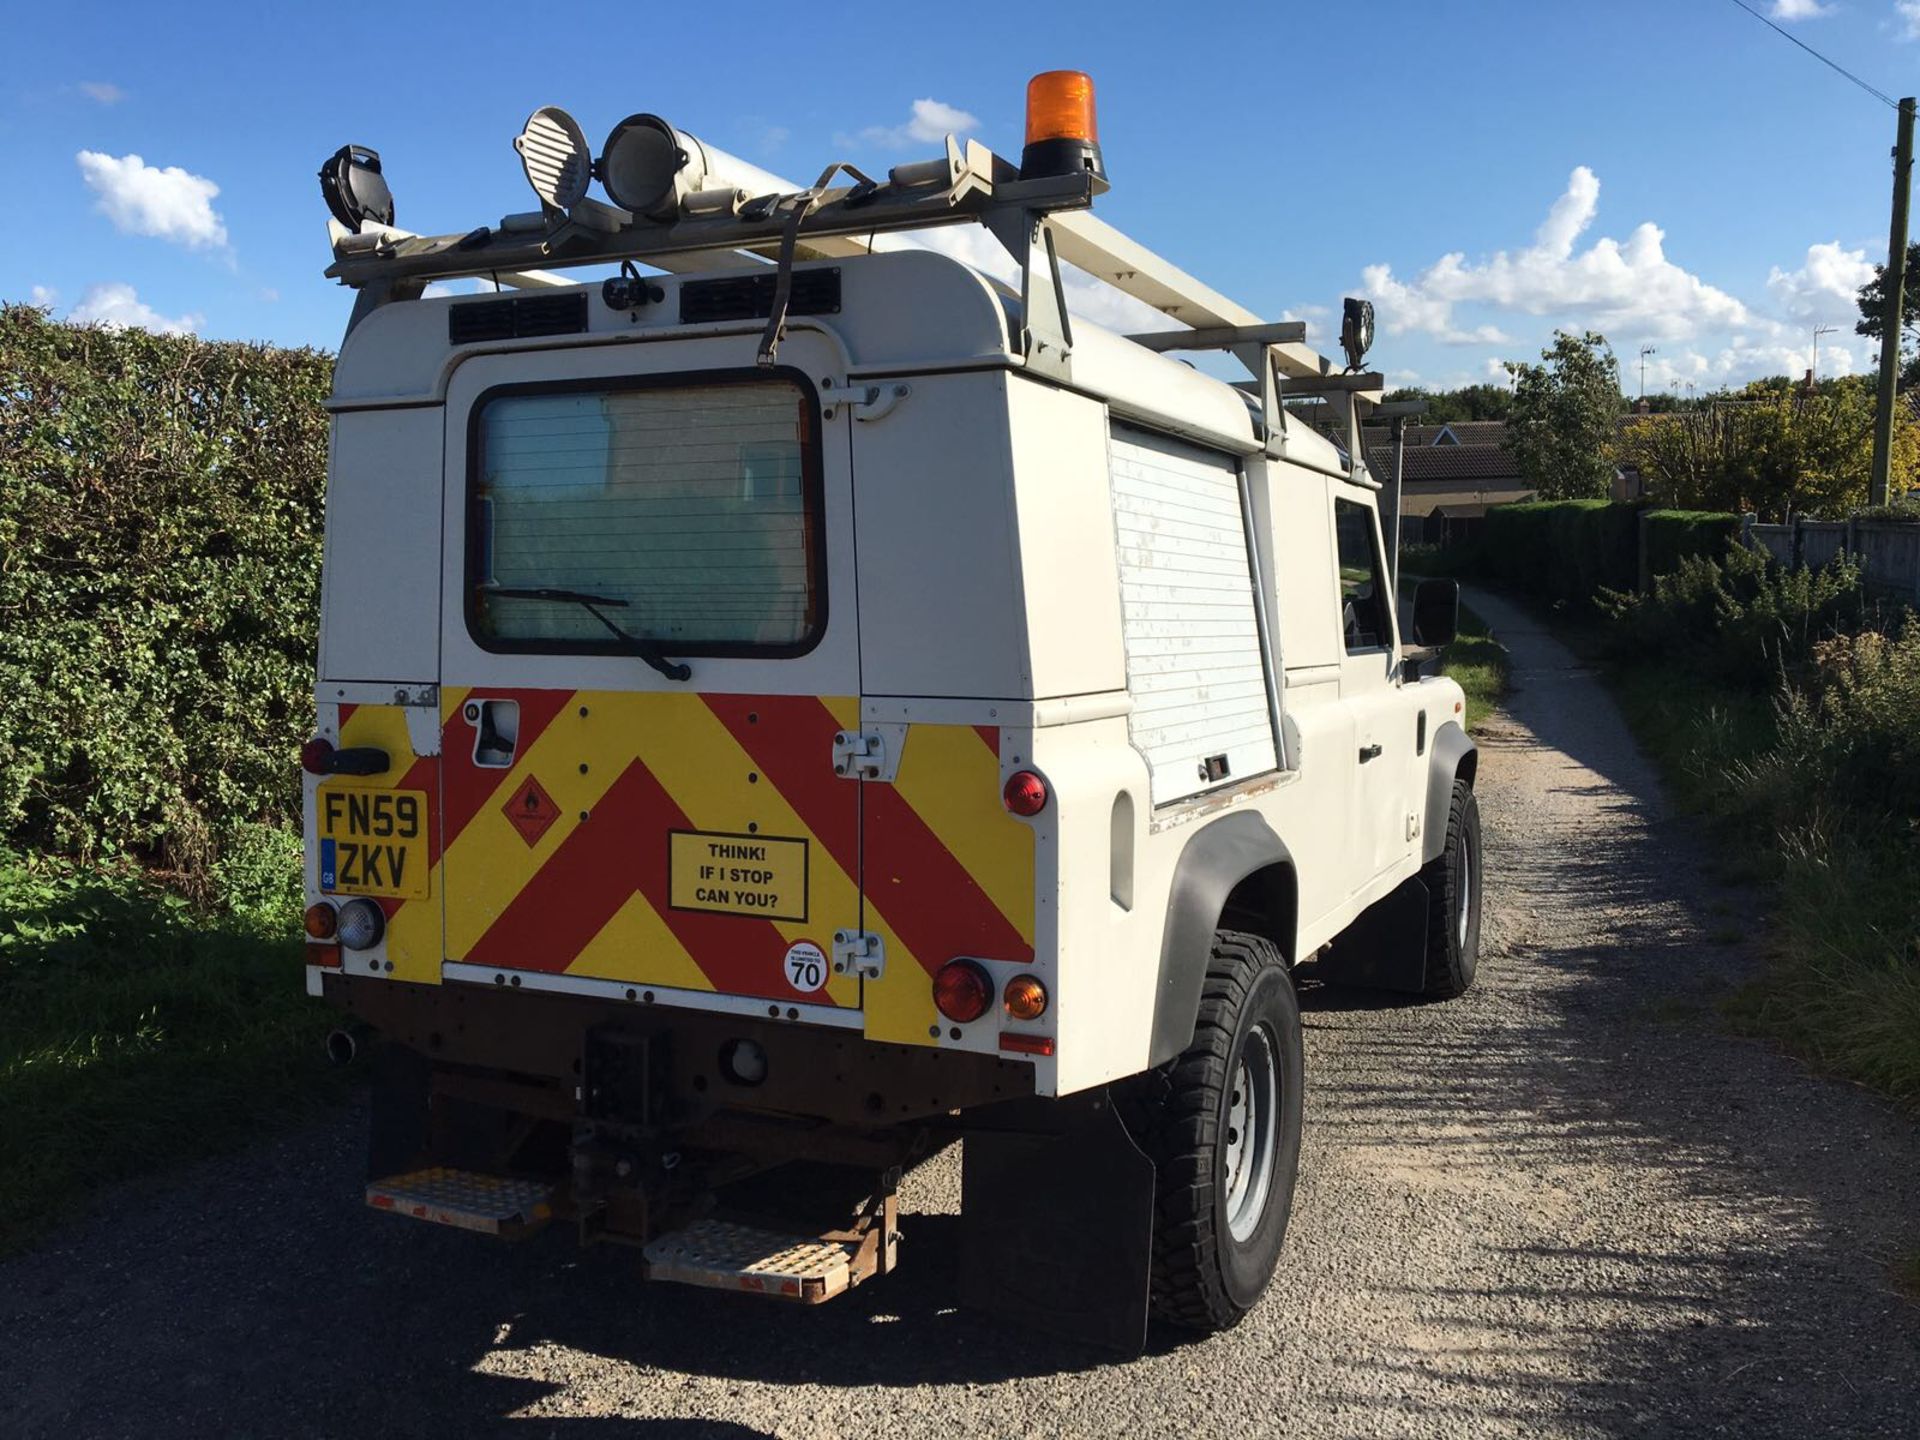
x=1470 y=402
x=1773 y=449
x=1872 y=301
x=1566 y=417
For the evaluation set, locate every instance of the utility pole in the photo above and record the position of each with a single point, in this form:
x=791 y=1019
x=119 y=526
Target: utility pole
x=1890 y=324
x=1645 y=350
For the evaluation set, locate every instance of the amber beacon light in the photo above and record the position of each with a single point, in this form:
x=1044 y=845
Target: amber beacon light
x=1062 y=134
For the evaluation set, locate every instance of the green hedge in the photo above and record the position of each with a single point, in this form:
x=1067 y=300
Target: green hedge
x=160 y=512
x=1564 y=549
x=1670 y=536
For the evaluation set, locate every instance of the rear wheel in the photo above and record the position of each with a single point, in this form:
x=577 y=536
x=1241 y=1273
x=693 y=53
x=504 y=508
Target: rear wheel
x=1453 y=904
x=1222 y=1125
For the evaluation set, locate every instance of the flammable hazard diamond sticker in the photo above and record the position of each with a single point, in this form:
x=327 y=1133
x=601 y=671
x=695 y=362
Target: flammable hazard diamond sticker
x=531 y=811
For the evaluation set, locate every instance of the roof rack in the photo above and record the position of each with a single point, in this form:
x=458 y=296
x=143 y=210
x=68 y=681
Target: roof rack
x=1041 y=221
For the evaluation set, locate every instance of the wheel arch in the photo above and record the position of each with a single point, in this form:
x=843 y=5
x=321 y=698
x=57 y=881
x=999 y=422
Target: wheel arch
x=1234 y=872
x=1451 y=756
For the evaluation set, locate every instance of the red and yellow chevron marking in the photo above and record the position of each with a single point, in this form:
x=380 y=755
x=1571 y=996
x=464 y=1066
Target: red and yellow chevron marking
x=947 y=871
x=590 y=896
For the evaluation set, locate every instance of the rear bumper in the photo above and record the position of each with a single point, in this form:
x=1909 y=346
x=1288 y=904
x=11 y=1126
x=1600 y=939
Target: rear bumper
x=535 y=1047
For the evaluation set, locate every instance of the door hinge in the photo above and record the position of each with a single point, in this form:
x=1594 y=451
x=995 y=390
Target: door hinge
x=872 y=754
x=870 y=402
x=859 y=953
x=1413 y=825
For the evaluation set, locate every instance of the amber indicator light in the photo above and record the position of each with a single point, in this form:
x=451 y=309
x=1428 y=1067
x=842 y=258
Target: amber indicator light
x=1060 y=107
x=1025 y=997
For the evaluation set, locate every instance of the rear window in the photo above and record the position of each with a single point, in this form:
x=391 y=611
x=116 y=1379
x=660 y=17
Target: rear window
x=695 y=504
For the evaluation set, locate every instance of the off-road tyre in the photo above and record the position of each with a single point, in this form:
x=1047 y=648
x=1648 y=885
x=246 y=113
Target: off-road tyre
x=1453 y=901
x=1205 y=1277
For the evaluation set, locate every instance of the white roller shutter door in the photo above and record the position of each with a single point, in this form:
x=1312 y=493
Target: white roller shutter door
x=1186 y=588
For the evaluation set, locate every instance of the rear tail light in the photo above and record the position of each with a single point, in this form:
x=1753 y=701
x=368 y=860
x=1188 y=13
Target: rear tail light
x=1025 y=793
x=316 y=756
x=1025 y=997
x=361 y=924
x=321 y=921
x=962 y=990
x=326 y=956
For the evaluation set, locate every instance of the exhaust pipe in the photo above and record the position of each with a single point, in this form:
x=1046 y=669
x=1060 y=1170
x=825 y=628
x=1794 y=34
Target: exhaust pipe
x=342 y=1046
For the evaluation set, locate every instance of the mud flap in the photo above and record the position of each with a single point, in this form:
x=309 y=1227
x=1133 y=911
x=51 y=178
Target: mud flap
x=1385 y=948
x=397 y=1138
x=1056 y=1219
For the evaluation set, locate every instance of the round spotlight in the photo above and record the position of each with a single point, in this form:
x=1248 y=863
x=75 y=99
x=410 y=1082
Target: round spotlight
x=744 y=1062
x=361 y=924
x=555 y=155
x=354 y=188
x=649 y=167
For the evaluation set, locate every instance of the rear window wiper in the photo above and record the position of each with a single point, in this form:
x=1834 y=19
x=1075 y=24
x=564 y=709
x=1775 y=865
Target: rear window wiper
x=631 y=643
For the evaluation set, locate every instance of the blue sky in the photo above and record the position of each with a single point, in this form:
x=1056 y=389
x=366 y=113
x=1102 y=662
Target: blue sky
x=1668 y=171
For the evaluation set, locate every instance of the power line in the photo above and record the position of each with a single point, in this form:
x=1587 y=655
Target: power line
x=1830 y=64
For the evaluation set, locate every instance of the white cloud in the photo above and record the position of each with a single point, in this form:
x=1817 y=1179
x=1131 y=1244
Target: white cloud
x=44 y=295
x=1799 y=10
x=105 y=92
x=1612 y=284
x=1316 y=318
x=115 y=305
x=1824 y=287
x=1907 y=13
x=142 y=199
x=929 y=122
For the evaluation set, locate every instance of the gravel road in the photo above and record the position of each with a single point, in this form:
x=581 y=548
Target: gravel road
x=1566 y=1205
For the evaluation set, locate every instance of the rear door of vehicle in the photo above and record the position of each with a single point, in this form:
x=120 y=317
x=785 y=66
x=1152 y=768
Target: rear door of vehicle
x=610 y=829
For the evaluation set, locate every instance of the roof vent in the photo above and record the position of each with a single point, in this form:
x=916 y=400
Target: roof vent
x=750 y=297
x=520 y=318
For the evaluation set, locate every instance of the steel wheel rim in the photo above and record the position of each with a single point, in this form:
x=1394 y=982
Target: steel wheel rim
x=1253 y=1108
x=1465 y=888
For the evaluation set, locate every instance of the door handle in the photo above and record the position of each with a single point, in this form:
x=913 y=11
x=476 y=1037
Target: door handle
x=1369 y=752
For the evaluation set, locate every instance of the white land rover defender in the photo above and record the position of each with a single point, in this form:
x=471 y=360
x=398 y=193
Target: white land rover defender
x=805 y=701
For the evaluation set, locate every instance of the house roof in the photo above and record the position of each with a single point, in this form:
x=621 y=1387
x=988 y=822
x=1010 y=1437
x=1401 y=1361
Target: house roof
x=1457 y=432
x=1485 y=464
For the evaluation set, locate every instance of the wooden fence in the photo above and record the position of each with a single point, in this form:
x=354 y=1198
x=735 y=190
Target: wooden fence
x=1888 y=551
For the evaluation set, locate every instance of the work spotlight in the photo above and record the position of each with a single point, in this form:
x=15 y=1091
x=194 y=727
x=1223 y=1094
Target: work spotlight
x=354 y=188
x=556 y=158
x=1356 y=330
x=648 y=167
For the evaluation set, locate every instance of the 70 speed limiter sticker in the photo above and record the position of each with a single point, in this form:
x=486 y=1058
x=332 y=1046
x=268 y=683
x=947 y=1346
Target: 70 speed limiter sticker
x=806 y=967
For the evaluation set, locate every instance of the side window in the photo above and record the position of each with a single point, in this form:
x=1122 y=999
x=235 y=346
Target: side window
x=1363 y=602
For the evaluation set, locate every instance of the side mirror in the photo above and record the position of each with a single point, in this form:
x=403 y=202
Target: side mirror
x=1436 y=612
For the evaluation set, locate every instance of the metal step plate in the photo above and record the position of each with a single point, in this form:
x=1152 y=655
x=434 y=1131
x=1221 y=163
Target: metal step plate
x=722 y=1255
x=491 y=1204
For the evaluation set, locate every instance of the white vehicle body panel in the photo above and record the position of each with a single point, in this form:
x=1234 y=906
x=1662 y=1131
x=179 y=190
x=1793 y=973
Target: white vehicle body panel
x=1063 y=567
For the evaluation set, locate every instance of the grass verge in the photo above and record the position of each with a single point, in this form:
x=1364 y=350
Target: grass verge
x=137 y=1031
x=1479 y=663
